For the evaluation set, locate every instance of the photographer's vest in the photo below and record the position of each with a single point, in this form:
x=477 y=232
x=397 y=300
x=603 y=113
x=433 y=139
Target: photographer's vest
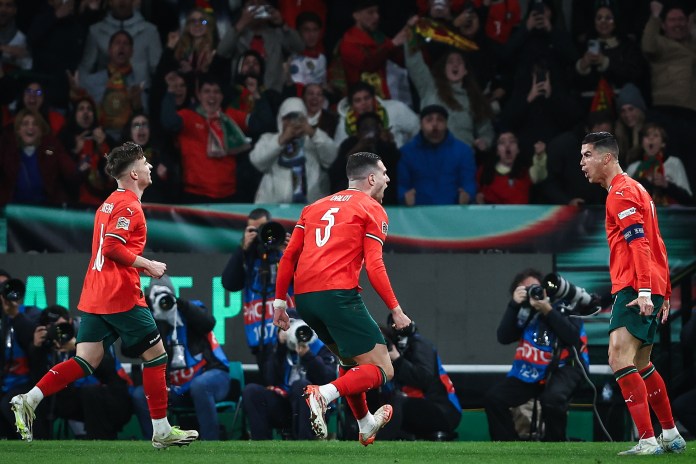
x=535 y=352
x=293 y=370
x=252 y=300
x=180 y=379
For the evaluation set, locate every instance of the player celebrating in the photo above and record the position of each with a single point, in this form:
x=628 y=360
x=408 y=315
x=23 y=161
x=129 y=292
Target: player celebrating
x=328 y=246
x=640 y=285
x=113 y=304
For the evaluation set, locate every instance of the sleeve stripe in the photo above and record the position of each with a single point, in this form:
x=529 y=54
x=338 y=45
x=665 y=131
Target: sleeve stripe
x=116 y=236
x=376 y=238
x=298 y=226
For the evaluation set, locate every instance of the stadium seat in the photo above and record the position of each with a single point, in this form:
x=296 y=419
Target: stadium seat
x=232 y=404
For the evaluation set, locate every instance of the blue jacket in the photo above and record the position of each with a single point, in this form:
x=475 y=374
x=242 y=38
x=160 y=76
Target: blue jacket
x=437 y=172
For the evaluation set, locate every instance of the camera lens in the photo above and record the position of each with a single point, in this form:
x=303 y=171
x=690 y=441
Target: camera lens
x=165 y=301
x=535 y=292
x=304 y=334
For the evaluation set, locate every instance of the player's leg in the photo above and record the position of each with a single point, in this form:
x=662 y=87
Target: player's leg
x=90 y=351
x=140 y=337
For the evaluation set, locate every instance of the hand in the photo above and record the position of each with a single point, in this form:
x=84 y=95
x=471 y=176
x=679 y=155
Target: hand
x=463 y=197
x=73 y=79
x=542 y=306
x=252 y=85
x=536 y=91
x=656 y=9
x=80 y=142
x=645 y=305
x=539 y=148
x=173 y=39
x=659 y=180
x=280 y=315
x=410 y=197
x=40 y=335
x=155 y=269
x=250 y=234
x=519 y=295
x=401 y=320
x=68 y=346
x=480 y=198
x=481 y=144
x=394 y=353
x=161 y=171
x=93 y=5
x=99 y=135
x=663 y=313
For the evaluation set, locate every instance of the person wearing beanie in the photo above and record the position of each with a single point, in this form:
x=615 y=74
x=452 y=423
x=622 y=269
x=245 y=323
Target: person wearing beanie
x=631 y=108
x=435 y=167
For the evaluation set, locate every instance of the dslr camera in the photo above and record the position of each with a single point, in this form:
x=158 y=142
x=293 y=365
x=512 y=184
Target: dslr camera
x=163 y=300
x=299 y=332
x=270 y=237
x=57 y=333
x=576 y=298
x=13 y=289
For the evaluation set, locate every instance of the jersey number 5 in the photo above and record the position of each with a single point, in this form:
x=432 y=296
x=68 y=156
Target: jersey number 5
x=328 y=217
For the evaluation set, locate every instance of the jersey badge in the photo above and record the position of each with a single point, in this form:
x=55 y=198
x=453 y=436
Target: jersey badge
x=123 y=223
x=107 y=208
x=385 y=228
x=626 y=212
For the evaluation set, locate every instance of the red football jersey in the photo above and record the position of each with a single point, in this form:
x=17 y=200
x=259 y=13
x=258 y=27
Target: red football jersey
x=110 y=287
x=637 y=253
x=328 y=246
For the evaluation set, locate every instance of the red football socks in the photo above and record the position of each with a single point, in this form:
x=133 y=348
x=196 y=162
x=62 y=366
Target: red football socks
x=358 y=379
x=60 y=375
x=657 y=396
x=356 y=402
x=636 y=397
x=155 y=386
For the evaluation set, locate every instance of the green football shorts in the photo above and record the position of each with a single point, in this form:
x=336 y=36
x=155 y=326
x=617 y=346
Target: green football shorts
x=641 y=327
x=340 y=317
x=132 y=326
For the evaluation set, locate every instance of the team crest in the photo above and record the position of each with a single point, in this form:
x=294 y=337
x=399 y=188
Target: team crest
x=107 y=208
x=123 y=223
x=385 y=228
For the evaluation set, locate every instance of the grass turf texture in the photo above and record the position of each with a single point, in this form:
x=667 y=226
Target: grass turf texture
x=333 y=452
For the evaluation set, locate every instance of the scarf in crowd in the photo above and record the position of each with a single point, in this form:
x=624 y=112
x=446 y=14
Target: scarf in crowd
x=224 y=136
x=293 y=157
x=352 y=118
x=116 y=106
x=651 y=165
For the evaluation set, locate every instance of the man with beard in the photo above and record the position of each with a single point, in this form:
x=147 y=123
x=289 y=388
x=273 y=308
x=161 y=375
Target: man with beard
x=436 y=168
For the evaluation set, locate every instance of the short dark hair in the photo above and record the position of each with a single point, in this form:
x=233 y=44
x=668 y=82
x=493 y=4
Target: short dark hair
x=308 y=17
x=121 y=157
x=603 y=141
x=359 y=86
x=360 y=163
x=529 y=272
x=259 y=213
x=121 y=32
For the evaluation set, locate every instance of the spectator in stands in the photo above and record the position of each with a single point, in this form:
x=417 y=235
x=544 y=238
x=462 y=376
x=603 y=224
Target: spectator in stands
x=435 y=167
x=295 y=363
x=88 y=146
x=261 y=28
x=33 y=96
x=632 y=114
x=421 y=393
x=294 y=159
x=318 y=114
x=451 y=85
x=364 y=49
x=396 y=117
x=505 y=178
x=501 y=18
x=192 y=51
x=672 y=59
x=662 y=175
x=165 y=171
x=373 y=138
x=14 y=52
x=292 y=9
x=197 y=368
x=17 y=324
x=550 y=362
x=145 y=40
x=119 y=90
x=565 y=183
x=608 y=55
x=49 y=173
x=56 y=37
x=309 y=65
x=209 y=138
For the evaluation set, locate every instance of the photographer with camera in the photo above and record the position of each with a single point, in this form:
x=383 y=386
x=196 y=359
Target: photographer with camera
x=299 y=359
x=17 y=325
x=197 y=368
x=425 y=404
x=252 y=268
x=97 y=406
x=551 y=357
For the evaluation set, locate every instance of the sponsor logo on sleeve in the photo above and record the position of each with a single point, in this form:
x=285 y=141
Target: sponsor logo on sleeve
x=385 y=228
x=123 y=223
x=130 y=211
x=107 y=208
x=627 y=212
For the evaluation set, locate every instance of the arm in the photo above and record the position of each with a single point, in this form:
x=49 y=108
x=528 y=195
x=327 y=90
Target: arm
x=321 y=368
x=377 y=272
x=89 y=55
x=417 y=366
x=233 y=274
x=650 y=41
x=266 y=152
x=417 y=69
x=198 y=319
x=169 y=117
x=287 y=264
x=365 y=59
x=325 y=148
x=508 y=331
x=467 y=174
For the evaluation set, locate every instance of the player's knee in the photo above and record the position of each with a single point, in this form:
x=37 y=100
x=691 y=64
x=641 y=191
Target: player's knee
x=388 y=372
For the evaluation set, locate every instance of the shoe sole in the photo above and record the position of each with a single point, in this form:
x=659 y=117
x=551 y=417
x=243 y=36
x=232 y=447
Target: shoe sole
x=22 y=429
x=182 y=442
x=371 y=440
x=316 y=420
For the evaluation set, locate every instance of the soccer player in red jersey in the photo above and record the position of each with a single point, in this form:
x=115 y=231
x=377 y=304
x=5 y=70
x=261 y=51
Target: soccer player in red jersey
x=113 y=304
x=329 y=244
x=641 y=287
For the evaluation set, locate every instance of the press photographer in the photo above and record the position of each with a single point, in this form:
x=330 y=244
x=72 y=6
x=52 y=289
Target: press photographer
x=550 y=357
x=422 y=395
x=17 y=324
x=252 y=269
x=299 y=359
x=197 y=368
